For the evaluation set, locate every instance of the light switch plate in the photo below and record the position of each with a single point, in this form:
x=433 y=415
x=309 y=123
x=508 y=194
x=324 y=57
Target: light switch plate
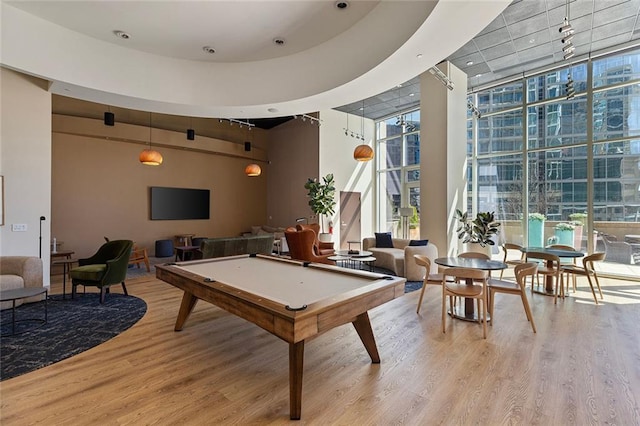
x=19 y=227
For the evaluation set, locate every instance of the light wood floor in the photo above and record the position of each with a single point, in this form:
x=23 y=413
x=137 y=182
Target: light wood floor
x=582 y=367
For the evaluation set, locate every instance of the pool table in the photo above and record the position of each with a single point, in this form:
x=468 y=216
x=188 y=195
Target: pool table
x=296 y=301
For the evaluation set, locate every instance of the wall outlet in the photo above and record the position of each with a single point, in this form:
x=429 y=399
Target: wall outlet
x=19 y=227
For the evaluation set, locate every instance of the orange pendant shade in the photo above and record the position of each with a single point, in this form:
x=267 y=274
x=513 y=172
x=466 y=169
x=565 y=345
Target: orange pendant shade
x=253 y=170
x=363 y=153
x=150 y=157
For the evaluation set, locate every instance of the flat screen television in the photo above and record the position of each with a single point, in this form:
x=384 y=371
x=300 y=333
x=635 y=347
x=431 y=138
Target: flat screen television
x=178 y=203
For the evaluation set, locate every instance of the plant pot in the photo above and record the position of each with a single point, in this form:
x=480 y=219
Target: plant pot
x=476 y=248
x=536 y=233
x=577 y=237
x=565 y=236
x=324 y=237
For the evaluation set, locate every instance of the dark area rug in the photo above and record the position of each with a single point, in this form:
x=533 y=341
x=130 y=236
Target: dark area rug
x=409 y=286
x=73 y=326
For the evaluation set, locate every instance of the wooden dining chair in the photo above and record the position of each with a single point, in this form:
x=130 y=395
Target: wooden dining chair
x=563 y=262
x=473 y=255
x=587 y=270
x=522 y=271
x=506 y=247
x=551 y=269
x=429 y=279
x=460 y=288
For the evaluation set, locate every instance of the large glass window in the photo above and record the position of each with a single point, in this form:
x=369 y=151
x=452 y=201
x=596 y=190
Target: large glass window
x=398 y=169
x=558 y=167
x=570 y=175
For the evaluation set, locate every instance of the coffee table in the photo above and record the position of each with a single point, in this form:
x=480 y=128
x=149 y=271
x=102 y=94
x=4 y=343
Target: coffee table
x=354 y=260
x=22 y=293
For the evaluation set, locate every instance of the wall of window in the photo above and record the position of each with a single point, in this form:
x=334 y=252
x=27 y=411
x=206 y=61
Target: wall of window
x=582 y=151
x=398 y=173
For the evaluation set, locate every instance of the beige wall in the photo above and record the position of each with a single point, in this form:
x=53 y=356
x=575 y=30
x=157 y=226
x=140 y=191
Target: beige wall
x=25 y=163
x=85 y=177
x=336 y=157
x=293 y=156
x=101 y=189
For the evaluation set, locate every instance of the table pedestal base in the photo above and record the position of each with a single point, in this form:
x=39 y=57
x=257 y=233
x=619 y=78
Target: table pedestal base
x=466 y=311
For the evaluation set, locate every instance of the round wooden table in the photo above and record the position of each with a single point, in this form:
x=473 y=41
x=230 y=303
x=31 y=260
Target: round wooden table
x=548 y=280
x=469 y=314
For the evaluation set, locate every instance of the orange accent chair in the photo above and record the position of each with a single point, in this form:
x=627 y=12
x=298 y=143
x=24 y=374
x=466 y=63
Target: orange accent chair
x=301 y=246
x=320 y=247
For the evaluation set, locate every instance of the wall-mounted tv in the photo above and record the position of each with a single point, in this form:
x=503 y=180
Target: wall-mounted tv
x=178 y=203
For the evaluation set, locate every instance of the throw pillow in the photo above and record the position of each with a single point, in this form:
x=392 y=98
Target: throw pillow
x=418 y=242
x=255 y=229
x=383 y=240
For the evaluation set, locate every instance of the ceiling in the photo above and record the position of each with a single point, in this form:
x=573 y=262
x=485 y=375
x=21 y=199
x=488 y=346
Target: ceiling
x=524 y=37
x=331 y=57
x=268 y=59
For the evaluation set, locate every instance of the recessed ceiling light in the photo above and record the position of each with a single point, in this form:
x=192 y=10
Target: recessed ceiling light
x=279 y=41
x=122 y=35
x=209 y=49
x=469 y=63
x=419 y=55
x=342 y=4
x=399 y=85
x=532 y=40
x=411 y=94
x=272 y=109
x=478 y=75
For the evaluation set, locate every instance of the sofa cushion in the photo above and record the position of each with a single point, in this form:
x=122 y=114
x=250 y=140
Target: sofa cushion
x=389 y=258
x=89 y=272
x=415 y=243
x=383 y=240
x=10 y=282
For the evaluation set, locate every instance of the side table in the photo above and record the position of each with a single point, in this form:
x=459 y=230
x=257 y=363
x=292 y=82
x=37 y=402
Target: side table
x=22 y=293
x=66 y=269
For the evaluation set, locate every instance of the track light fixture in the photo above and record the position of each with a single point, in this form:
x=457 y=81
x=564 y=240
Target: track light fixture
x=568 y=50
x=305 y=117
x=442 y=77
x=236 y=121
x=570 y=90
x=474 y=110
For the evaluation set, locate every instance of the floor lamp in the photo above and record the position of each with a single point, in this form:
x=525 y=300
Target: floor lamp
x=405 y=213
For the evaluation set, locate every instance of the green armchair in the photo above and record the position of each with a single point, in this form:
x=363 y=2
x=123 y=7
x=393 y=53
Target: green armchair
x=105 y=268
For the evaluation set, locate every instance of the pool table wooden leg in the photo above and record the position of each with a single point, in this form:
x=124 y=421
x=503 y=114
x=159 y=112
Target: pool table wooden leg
x=296 y=366
x=186 y=306
x=363 y=327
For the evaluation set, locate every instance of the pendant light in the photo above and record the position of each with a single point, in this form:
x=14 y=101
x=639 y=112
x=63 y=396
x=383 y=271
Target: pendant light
x=363 y=152
x=149 y=156
x=252 y=170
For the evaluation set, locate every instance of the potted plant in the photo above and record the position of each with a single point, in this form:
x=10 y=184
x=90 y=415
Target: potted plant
x=564 y=232
x=321 y=197
x=579 y=220
x=536 y=230
x=480 y=231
